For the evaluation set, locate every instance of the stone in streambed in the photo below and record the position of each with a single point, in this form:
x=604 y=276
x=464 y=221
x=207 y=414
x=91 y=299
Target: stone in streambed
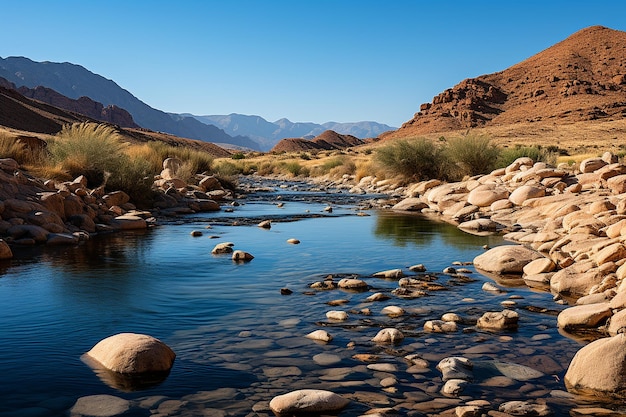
x=307 y=401
x=131 y=353
x=388 y=335
x=498 y=320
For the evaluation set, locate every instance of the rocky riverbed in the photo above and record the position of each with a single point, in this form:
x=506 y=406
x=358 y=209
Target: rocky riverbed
x=385 y=343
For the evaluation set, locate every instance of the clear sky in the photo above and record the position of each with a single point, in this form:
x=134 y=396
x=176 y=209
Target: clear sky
x=306 y=60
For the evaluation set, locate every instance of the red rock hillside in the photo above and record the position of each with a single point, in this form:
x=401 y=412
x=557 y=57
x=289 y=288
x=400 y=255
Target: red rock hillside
x=581 y=78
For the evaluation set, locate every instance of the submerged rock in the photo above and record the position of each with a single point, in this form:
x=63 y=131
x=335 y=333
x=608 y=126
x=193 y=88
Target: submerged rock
x=307 y=401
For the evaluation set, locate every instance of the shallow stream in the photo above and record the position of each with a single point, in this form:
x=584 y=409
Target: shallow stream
x=239 y=341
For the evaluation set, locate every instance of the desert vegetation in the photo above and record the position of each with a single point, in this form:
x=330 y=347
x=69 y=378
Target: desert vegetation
x=99 y=153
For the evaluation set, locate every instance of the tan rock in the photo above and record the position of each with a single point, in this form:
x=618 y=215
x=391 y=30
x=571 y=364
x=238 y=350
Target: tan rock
x=309 y=401
x=610 y=253
x=499 y=320
x=388 y=335
x=242 y=256
x=5 y=250
x=129 y=222
x=131 y=353
x=352 y=284
x=320 y=335
x=390 y=274
x=485 y=195
x=617 y=323
x=526 y=192
x=506 y=259
x=599 y=368
x=576 y=280
x=583 y=316
x=617 y=184
x=591 y=165
x=539 y=266
x=410 y=204
x=210 y=183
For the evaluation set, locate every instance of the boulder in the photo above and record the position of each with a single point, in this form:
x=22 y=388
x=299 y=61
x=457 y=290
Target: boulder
x=116 y=198
x=539 y=266
x=525 y=408
x=576 y=279
x=388 y=335
x=132 y=353
x=337 y=315
x=210 y=183
x=498 y=320
x=617 y=323
x=484 y=196
x=440 y=326
x=390 y=273
x=506 y=259
x=599 y=368
x=352 y=284
x=526 y=192
x=456 y=367
x=591 y=165
x=224 y=247
x=320 y=335
x=583 y=316
x=410 y=204
x=129 y=222
x=242 y=256
x=310 y=401
x=5 y=250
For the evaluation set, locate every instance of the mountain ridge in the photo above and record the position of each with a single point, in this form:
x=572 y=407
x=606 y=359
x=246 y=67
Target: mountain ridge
x=268 y=134
x=75 y=81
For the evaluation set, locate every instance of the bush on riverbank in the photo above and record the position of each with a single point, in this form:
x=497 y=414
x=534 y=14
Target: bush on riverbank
x=536 y=153
x=472 y=155
x=414 y=159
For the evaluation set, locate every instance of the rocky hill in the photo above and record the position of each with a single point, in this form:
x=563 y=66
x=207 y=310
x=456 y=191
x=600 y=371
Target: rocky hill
x=582 y=78
x=328 y=140
x=75 y=81
x=83 y=105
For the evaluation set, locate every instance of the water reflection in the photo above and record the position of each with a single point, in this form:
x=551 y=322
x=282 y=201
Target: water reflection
x=405 y=228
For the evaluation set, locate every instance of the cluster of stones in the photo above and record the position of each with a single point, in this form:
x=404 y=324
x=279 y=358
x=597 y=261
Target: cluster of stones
x=569 y=224
x=33 y=211
x=204 y=193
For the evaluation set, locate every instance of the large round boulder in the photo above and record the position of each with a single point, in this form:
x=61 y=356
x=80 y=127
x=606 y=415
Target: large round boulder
x=599 y=368
x=307 y=401
x=132 y=353
x=5 y=250
x=506 y=259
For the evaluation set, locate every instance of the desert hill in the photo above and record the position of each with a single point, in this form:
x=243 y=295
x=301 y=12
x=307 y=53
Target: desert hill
x=30 y=120
x=328 y=140
x=581 y=79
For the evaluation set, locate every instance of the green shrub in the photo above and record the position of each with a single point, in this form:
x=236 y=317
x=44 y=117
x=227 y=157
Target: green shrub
x=135 y=176
x=536 y=153
x=293 y=167
x=88 y=149
x=415 y=160
x=238 y=155
x=472 y=155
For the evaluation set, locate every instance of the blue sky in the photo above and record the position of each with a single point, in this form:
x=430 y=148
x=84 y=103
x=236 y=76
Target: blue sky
x=318 y=60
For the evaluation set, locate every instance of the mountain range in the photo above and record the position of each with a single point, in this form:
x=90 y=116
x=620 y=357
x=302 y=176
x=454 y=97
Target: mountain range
x=236 y=130
x=268 y=134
